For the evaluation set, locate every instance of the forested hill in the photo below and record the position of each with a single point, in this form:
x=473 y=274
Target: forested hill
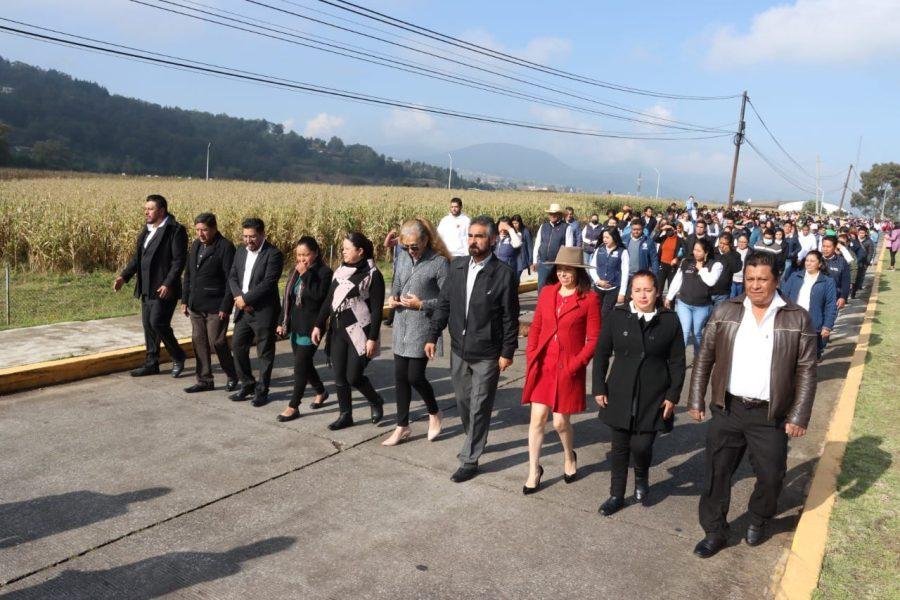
x=50 y=120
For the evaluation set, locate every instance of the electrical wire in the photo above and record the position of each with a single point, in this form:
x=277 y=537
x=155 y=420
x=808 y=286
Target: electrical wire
x=777 y=169
x=777 y=143
x=204 y=68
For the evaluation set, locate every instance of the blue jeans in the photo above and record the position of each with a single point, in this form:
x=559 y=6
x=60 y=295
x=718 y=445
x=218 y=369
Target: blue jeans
x=543 y=271
x=736 y=289
x=788 y=269
x=719 y=298
x=693 y=320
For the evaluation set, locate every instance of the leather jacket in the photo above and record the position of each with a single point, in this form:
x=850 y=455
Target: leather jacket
x=793 y=375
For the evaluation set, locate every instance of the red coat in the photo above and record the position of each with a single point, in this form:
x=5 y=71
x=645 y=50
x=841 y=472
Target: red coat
x=575 y=331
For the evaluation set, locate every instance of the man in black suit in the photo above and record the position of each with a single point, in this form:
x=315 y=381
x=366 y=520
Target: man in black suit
x=207 y=300
x=480 y=302
x=158 y=261
x=254 y=284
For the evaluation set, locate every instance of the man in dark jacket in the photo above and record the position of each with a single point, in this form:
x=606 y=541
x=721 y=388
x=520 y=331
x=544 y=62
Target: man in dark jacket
x=207 y=300
x=253 y=281
x=759 y=351
x=480 y=302
x=837 y=267
x=864 y=255
x=157 y=261
x=791 y=245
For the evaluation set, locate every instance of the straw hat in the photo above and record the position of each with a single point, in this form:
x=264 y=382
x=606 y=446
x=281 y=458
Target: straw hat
x=569 y=256
x=555 y=208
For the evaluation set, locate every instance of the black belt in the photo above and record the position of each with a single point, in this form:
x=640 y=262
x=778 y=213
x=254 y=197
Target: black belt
x=748 y=402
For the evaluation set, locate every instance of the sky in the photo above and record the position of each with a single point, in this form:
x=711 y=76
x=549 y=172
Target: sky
x=821 y=73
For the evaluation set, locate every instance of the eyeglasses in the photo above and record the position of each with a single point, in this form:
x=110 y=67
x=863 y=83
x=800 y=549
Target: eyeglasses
x=413 y=247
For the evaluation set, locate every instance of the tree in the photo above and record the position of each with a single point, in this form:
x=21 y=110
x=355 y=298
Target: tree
x=880 y=188
x=335 y=145
x=53 y=154
x=810 y=206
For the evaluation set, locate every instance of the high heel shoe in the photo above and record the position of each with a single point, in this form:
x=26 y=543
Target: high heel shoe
x=396 y=438
x=434 y=432
x=573 y=476
x=530 y=490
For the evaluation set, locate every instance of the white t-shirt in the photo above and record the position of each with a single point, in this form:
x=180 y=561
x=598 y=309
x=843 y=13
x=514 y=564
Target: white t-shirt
x=454 y=232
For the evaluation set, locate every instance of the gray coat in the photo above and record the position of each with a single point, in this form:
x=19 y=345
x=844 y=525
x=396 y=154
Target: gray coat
x=424 y=279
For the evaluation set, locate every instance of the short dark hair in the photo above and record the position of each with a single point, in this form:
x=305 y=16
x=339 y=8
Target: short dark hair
x=485 y=221
x=254 y=223
x=359 y=240
x=637 y=221
x=570 y=209
x=768 y=231
x=761 y=259
x=456 y=201
x=830 y=238
x=646 y=273
x=646 y=208
x=208 y=219
x=728 y=238
x=310 y=242
x=160 y=201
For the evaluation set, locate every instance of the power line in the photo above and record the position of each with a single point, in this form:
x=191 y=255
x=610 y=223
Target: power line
x=203 y=68
x=777 y=169
x=498 y=55
x=777 y=143
x=409 y=67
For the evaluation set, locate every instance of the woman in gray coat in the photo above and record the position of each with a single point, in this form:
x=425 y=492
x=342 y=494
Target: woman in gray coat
x=420 y=272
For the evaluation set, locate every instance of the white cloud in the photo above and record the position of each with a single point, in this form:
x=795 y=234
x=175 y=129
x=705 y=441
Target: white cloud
x=814 y=32
x=408 y=123
x=542 y=49
x=321 y=126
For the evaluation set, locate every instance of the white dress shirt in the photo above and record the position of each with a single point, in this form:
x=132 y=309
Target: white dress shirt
x=646 y=316
x=454 y=232
x=751 y=357
x=248 y=266
x=569 y=241
x=152 y=229
x=806 y=289
x=474 y=269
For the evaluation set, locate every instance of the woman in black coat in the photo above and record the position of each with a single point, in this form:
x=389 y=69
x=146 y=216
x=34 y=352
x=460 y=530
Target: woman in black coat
x=304 y=295
x=637 y=397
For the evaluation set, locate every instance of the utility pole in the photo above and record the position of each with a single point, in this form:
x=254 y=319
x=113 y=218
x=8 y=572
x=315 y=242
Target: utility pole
x=657 y=182
x=818 y=188
x=640 y=178
x=844 y=193
x=738 y=140
x=207 y=159
x=450 y=174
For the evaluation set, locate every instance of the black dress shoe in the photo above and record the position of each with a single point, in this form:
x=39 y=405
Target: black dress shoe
x=573 y=476
x=612 y=505
x=315 y=405
x=244 y=394
x=231 y=385
x=641 y=489
x=344 y=420
x=530 y=490
x=261 y=398
x=377 y=411
x=755 y=535
x=199 y=387
x=464 y=474
x=145 y=370
x=284 y=419
x=177 y=368
x=709 y=546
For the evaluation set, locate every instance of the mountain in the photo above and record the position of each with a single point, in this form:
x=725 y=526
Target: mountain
x=50 y=120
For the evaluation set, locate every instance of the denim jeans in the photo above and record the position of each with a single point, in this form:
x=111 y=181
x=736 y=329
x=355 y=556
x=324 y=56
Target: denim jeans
x=719 y=298
x=737 y=289
x=543 y=271
x=693 y=320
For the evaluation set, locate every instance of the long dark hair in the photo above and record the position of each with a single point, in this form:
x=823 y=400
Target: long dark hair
x=361 y=241
x=582 y=279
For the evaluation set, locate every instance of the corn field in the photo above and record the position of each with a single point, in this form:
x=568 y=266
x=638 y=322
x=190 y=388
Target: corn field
x=79 y=224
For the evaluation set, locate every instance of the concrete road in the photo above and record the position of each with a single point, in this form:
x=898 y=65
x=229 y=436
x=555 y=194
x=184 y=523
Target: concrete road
x=116 y=487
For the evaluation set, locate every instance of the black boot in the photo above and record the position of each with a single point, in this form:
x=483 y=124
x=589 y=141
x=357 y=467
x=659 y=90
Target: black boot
x=641 y=489
x=377 y=410
x=343 y=421
x=612 y=505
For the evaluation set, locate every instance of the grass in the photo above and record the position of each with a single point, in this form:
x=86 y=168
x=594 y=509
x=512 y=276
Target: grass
x=45 y=298
x=862 y=557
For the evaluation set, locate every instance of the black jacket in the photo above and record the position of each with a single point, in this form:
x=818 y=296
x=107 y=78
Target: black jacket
x=492 y=325
x=316 y=285
x=648 y=368
x=206 y=280
x=731 y=264
x=160 y=263
x=262 y=294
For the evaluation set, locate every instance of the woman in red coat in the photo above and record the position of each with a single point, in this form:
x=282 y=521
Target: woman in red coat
x=560 y=345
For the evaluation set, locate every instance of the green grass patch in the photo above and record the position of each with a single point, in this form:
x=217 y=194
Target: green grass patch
x=862 y=557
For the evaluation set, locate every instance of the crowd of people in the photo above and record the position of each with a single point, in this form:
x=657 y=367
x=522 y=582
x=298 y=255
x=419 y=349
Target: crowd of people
x=631 y=292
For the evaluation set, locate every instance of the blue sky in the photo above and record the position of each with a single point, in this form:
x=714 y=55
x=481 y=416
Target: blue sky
x=821 y=72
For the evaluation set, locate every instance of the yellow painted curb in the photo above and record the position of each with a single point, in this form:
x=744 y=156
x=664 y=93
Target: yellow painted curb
x=26 y=377
x=804 y=559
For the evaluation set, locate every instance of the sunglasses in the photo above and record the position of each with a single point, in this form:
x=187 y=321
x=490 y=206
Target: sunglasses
x=413 y=247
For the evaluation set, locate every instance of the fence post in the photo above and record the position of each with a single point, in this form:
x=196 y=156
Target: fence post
x=6 y=288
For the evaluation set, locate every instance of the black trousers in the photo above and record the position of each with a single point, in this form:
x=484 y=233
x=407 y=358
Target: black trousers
x=304 y=372
x=209 y=331
x=730 y=434
x=607 y=299
x=248 y=327
x=156 y=315
x=861 y=267
x=629 y=444
x=893 y=257
x=349 y=367
x=665 y=276
x=410 y=373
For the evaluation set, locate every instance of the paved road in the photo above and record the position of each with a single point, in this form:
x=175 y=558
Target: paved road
x=121 y=488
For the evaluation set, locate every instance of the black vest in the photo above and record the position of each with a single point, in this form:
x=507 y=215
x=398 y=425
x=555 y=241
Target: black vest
x=731 y=264
x=693 y=291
